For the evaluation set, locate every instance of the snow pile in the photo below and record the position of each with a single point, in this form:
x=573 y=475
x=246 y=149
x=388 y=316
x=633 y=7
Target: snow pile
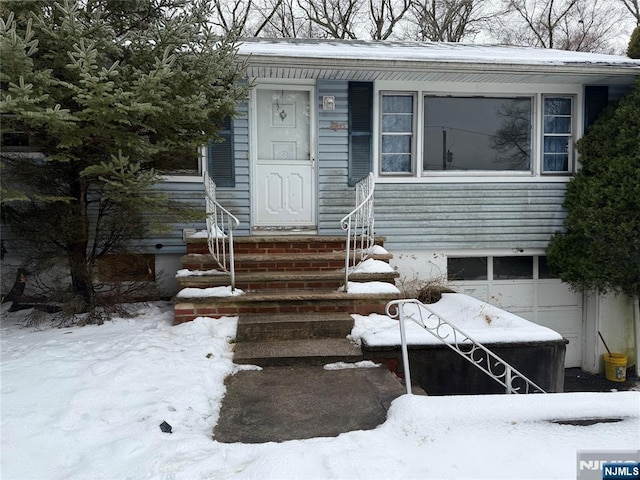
x=372 y=288
x=345 y=366
x=86 y=403
x=217 y=233
x=185 y=272
x=193 y=292
x=372 y=266
x=483 y=322
x=377 y=250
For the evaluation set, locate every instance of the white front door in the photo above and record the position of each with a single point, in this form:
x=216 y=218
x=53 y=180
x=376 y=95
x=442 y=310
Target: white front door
x=283 y=164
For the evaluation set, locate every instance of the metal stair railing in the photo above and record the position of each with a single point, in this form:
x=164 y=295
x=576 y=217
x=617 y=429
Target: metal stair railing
x=220 y=226
x=359 y=225
x=460 y=342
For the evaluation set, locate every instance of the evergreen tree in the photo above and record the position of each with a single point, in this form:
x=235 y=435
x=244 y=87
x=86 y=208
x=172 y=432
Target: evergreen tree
x=600 y=247
x=633 y=50
x=103 y=90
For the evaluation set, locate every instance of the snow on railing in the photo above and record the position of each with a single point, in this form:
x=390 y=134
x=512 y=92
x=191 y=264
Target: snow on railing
x=359 y=225
x=459 y=342
x=220 y=226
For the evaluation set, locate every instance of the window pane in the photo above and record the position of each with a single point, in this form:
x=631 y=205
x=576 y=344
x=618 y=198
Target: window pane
x=480 y=133
x=474 y=268
x=512 y=268
x=543 y=269
x=396 y=144
x=182 y=161
x=397 y=104
x=556 y=144
x=557 y=124
x=557 y=106
x=396 y=163
x=556 y=162
x=397 y=123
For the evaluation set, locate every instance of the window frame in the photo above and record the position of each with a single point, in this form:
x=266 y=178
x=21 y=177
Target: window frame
x=414 y=131
x=537 y=92
x=571 y=135
x=189 y=178
x=532 y=126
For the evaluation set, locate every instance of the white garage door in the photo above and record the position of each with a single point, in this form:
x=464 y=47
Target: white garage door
x=524 y=286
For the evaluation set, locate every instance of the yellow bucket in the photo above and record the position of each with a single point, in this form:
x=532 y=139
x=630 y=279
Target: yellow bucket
x=615 y=367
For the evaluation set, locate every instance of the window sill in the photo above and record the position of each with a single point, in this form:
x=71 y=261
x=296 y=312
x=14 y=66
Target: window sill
x=477 y=178
x=182 y=178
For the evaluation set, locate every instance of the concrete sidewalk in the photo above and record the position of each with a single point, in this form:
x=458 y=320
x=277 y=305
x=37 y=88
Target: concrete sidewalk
x=286 y=403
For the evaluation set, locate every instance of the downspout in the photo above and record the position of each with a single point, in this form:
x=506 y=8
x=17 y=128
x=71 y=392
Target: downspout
x=636 y=328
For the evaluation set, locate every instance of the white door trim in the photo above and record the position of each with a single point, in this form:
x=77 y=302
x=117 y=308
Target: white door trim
x=254 y=182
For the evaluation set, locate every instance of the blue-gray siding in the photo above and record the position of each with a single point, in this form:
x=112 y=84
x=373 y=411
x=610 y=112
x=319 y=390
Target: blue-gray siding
x=468 y=216
x=335 y=197
x=411 y=216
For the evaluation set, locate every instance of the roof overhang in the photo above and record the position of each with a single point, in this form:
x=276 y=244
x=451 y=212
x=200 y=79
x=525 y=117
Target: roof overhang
x=430 y=62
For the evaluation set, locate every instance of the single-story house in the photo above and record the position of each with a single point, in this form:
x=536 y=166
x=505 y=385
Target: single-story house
x=471 y=147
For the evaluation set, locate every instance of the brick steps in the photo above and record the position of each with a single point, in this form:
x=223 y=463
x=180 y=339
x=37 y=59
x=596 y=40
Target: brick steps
x=276 y=244
x=291 y=312
x=280 y=280
x=279 y=302
x=261 y=262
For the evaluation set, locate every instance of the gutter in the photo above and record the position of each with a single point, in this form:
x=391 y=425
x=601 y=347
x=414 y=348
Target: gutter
x=453 y=66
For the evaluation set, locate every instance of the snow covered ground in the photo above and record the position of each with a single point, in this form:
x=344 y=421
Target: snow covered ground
x=87 y=402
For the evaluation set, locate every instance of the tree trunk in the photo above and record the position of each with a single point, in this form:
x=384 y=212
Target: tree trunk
x=79 y=264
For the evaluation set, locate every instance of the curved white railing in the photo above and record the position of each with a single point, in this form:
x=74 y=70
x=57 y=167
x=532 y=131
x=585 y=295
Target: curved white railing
x=459 y=342
x=220 y=226
x=359 y=225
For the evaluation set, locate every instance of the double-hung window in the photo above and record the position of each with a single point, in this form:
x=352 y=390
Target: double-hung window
x=397 y=133
x=558 y=134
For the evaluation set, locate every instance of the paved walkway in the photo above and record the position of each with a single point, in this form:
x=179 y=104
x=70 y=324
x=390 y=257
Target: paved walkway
x=285 y=403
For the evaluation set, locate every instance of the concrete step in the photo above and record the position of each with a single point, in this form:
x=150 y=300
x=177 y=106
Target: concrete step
x=280 y=301
x=296 y=352
x=260 y=327
x=297 y=280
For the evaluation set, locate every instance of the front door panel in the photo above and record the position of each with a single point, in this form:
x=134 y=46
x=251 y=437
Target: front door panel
x=284 y=176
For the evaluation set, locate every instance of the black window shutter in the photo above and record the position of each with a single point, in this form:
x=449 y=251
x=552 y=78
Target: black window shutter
x=220 y=161
x=596 y=99
x=360 y=130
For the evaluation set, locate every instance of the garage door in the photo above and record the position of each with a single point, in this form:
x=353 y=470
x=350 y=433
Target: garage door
x=523 y=285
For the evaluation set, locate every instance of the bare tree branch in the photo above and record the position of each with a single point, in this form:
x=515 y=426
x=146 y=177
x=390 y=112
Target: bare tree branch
x=335 y=18
x=385 y=15
x=583 y=25
x=634 y=7
x=449 y=20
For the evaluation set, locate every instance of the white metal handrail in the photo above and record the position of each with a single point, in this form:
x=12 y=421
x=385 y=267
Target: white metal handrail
x=220 y=226
x=359 y=225
x=460 y=342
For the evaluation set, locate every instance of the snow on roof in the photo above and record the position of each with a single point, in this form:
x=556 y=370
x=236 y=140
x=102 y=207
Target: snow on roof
x=429 y=52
